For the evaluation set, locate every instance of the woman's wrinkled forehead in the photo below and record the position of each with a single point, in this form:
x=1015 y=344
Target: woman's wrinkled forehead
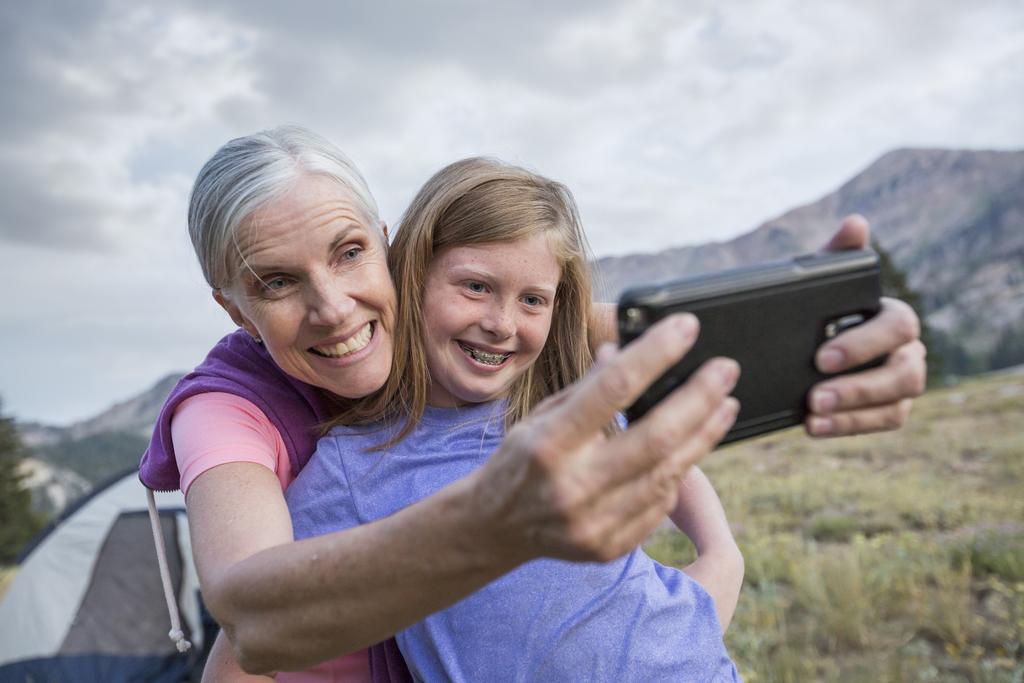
x=313 y=201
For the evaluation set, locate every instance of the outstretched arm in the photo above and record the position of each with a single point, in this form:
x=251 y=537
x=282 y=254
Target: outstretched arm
x=602 y=327
x=557 y=487
x=221 y=666
x=719 y=564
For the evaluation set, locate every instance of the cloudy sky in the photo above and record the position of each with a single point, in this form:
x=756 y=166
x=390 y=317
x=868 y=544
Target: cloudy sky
x=673 y=122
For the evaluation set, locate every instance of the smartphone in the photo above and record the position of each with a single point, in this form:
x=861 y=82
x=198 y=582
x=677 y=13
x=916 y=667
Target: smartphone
x=771 y=318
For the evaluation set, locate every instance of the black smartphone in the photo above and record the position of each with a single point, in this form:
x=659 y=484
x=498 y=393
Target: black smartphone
x=771 y=318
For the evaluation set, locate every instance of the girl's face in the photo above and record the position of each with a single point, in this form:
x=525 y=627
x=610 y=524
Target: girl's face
x=487 y=311
x=319 y=293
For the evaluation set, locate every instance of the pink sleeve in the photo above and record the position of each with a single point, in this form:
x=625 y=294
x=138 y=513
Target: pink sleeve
x=215 y=428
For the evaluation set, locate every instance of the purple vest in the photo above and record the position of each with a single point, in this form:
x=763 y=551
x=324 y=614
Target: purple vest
x=238 y=365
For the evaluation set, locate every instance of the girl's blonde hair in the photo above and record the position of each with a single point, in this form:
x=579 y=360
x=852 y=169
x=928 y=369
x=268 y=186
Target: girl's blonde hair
x=481 y=201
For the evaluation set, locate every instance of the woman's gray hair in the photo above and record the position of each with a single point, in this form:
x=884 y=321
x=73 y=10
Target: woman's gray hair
x=249 y=172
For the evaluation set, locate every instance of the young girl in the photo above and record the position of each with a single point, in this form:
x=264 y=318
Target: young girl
x=493 y=300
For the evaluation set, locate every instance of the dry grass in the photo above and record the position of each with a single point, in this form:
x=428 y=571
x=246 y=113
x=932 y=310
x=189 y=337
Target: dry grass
x=894 y=557
x=6 y=576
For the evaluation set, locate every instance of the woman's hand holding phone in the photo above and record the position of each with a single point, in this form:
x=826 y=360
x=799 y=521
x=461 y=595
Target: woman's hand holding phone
x=879 y=398
x=792 y=325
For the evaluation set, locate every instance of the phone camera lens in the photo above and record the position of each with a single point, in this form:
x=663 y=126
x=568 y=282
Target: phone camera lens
x=635 y=319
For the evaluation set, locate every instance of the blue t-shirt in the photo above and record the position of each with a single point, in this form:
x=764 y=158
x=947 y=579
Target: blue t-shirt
x=632 y=619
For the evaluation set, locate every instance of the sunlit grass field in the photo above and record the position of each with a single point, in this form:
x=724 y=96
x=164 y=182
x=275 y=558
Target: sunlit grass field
x=6 y=576
x=895 y=557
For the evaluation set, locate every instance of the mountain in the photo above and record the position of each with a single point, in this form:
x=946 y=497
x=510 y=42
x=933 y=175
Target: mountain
x=52 y=487
x=135 y=416
x=66 y=462
x=952 y=220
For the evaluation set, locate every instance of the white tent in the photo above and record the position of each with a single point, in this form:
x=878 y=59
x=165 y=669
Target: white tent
x=87 y=604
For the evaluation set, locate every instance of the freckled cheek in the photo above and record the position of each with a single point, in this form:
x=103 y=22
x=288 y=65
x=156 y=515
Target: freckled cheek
x=537 y=332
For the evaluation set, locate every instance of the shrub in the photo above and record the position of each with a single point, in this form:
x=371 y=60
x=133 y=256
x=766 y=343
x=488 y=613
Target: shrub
x=997 y=554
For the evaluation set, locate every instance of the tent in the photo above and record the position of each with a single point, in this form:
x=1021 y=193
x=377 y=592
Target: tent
x=87 y=604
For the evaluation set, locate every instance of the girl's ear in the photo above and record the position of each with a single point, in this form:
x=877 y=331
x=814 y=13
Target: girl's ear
x=384 y=229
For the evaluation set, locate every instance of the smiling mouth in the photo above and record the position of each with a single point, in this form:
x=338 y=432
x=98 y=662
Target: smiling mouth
x=356 y=342
x=485 y=357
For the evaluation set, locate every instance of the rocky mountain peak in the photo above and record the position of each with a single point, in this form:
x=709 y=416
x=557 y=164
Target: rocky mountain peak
x=953 y=220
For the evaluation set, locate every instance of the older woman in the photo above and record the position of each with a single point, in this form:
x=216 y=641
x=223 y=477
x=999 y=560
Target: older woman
x=291 y=244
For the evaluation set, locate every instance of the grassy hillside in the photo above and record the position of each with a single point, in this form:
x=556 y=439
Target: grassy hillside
x=895 y=557
x=95 y=457
x=6 y=576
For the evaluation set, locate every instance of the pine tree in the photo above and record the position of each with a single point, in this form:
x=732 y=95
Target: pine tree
x=1009 y=349
x=17 y=521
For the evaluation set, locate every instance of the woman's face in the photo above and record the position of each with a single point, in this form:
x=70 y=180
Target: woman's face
x=487 y=313
x=317 y=289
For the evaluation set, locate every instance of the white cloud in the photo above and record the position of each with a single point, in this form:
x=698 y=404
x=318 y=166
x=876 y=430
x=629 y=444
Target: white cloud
x=672 y=122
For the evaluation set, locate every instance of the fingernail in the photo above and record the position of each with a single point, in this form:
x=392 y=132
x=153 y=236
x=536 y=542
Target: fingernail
x=728 y=372
x=686 y=324
x=821 y=426
x=824 y=401
x=728 y=410
x=831 y=360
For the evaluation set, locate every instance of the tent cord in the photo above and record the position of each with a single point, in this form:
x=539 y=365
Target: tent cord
x=175 y=633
